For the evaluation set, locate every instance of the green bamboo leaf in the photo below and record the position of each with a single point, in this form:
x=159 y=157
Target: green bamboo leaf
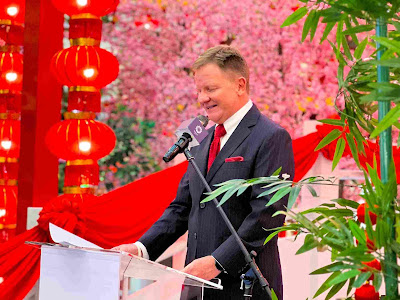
x=344 y=276
x=391 y=62
x=328 y=28
x=275 y=188
x=217 y=192
x=391 y=118
x=339 y=33
x=361 y=279
x=277 y=172
x=333 y=122
x=295 y=16
x=338 y=55
x=340 y=72
x=373 y=174
x=357 y=232
x=388 y=43
x=348 y=26
x=370 y=231
x=329 y=138
x=360 y=48
x=326 y=285
x=346 y=48
x=353 y=148
x=358 y=29
x=330 y=205
x=309 y=243
x=346 y=202
x=227 y=196
x=314 y=24
x=278 y=195
x=338 y=152
x=385 y=86
x=307 y=24
x=344 y=267
x=272 y=235
x=350 y=286
x=241 y=190
x=274 y=183
x=334 y=290
x=294 y=193
x=326 y=269
x=273 y=295
x=377 y=281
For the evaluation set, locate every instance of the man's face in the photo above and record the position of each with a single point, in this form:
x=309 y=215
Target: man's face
x=217 y=92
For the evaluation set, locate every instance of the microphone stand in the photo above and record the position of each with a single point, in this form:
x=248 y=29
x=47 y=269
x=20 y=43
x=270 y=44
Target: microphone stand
x=249 y=260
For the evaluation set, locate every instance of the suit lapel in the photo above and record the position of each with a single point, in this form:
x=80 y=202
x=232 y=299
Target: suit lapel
x=238 y=136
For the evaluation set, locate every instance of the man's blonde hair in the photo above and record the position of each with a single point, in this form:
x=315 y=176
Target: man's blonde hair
x=227 y=58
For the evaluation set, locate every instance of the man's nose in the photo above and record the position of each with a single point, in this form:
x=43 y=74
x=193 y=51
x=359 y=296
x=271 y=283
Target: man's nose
x=203 y=97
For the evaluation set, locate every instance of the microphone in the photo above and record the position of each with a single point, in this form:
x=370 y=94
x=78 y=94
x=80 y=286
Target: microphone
x=190 y=133
x=247 y=284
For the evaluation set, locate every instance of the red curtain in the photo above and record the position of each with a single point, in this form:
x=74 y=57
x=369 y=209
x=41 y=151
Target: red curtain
x=120 y=216
x=123 y=215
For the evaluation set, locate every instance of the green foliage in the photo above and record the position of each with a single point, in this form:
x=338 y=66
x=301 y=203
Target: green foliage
x=132 y=142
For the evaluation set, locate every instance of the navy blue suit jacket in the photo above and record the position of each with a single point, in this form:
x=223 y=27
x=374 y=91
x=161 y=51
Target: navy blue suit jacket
x=265 y=146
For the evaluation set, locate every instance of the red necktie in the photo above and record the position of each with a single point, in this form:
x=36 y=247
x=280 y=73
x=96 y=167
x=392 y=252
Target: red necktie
x=216 y=144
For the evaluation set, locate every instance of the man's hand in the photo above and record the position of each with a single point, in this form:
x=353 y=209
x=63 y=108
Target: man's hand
x=203 y=267
x=129 y=248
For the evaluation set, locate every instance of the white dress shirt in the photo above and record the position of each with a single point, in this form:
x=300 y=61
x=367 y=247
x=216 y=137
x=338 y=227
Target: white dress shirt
x=232 y=122
x=230 y=125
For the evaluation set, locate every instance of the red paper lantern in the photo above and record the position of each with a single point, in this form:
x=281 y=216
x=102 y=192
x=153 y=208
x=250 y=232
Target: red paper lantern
x=94 y=7
x=12 y=34
x=366 y=292
x=84 y=31
x=10 y=132
x=11 y=68
x=8 y=171
x=361 y=214
x=10 y=102
x=12 y=11
x=82 y=174
x=80 y=139
x=84 y=100
x=85 y=66
x=8 y=206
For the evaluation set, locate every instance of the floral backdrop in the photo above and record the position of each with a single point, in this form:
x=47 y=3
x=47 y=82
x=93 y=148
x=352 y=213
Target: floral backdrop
x=157 y=41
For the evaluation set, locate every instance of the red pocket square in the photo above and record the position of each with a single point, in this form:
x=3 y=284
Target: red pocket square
x=232 y=159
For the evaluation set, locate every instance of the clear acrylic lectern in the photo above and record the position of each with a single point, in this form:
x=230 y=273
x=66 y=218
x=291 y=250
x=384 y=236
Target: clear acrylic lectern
x=85 y=273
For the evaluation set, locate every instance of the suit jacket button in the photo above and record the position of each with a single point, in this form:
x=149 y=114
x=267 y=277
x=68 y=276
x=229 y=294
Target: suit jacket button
x=202 y=205
x=195 y=236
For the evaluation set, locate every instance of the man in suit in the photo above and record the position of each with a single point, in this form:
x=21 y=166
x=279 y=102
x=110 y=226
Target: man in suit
x=244 y=144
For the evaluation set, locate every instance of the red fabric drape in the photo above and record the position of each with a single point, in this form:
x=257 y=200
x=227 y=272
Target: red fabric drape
x=120 y=216
x=123 y=215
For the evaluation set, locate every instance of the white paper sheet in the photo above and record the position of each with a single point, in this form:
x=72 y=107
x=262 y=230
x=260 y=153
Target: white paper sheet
x=62 y=236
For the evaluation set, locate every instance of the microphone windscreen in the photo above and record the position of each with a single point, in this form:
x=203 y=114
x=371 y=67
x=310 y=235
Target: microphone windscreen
x=203 y=119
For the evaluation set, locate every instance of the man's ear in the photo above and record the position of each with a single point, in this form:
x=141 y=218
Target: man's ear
x=241 y=86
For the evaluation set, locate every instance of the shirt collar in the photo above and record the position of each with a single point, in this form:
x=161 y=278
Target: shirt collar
x=232 y=122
